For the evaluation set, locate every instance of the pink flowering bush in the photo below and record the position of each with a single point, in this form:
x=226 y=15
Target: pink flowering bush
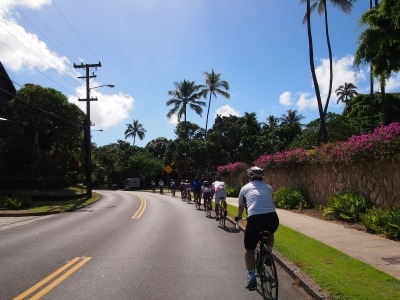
x=382 y=144
x=232 y=168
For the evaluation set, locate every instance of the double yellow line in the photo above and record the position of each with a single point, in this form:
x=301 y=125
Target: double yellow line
x=54 y=278
x=141 y=209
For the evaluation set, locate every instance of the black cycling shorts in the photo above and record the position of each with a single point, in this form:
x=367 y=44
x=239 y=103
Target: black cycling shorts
x=256 y=224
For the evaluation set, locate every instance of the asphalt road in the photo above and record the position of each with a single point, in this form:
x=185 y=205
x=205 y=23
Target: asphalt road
x=128 y=245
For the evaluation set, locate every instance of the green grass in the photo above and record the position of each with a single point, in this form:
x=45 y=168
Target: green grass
x=342 y=276
x=62 y=206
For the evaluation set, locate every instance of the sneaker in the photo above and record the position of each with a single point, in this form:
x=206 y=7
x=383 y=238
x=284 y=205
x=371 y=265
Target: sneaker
x=251 y=282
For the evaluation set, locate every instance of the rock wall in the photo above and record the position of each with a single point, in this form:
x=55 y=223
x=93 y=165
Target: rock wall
x=377 y=180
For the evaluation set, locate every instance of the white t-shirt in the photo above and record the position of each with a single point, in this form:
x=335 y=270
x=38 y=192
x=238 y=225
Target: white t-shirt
x=218 y=186
x=258 y=196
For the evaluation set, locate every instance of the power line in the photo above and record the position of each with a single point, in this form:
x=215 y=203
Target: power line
x=30 y=50
x=73 y=29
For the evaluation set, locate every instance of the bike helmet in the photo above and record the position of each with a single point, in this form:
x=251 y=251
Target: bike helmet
x=255 y=172
x=217 y=177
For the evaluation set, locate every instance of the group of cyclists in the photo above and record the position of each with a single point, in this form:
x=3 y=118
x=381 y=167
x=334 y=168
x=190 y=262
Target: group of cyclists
x=255 y=197
x=202 y=189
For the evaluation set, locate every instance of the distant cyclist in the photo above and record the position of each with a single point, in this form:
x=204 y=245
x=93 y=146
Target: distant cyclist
x=196 y=187
x=172 y=187
x=218 y=189
x=207 y=195
x=161 y=184
x=257 y=197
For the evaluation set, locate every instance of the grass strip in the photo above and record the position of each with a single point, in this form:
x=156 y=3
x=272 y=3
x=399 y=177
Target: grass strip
x=62 y=206
x=342 y=276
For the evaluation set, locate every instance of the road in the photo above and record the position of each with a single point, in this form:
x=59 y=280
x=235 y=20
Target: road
x=128 y=245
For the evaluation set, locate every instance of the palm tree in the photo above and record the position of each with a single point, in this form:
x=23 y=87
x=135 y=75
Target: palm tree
x=291 y=118
x=134 y=129
x=271 y=124
x=346 y=92
x=321 y=6
x=314 y=75
x=214 y=85
x=185 y=93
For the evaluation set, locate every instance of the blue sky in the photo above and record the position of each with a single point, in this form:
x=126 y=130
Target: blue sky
x=259 y=46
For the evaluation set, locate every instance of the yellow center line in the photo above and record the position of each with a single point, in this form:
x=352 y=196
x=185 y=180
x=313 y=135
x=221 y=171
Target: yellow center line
x=141 y=209
x=52 y=276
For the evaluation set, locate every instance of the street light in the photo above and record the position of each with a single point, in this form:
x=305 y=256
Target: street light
x=88 y=137
x=108 y=85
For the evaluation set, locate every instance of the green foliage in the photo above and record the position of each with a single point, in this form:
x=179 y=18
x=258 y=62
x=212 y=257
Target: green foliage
x=232 y=191
x=15 y=202
x=289 y=198
x=383 y=221
x=347 y=205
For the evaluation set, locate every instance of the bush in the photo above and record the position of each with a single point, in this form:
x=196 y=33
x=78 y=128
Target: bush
x=289 y=198
x=232 y=191
x=382 y=221
x=15 y=202
x=347 y=205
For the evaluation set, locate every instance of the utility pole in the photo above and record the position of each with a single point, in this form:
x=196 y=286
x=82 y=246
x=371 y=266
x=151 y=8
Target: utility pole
x=86 y=127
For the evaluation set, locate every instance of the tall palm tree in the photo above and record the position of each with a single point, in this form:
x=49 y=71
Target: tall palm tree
x=346 y=92
x=214 y=85
x=321 y=6
x=135 y=129
x=314 y=75
x=271 y=124
x=185 y=93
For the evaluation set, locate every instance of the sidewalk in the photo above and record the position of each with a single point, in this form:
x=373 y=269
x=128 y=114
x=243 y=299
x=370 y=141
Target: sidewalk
x=382 y=253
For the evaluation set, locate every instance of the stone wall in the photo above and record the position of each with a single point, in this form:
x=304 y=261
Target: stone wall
x=377 y=180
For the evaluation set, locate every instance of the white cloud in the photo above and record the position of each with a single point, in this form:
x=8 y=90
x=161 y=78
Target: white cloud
x=108 y=110
x=173 y=120
x=226 y=111
x=393 y=84
x=22 y=50
x=286 y=99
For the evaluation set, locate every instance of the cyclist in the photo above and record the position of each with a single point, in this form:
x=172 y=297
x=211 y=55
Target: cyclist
x=188 y=190
x=257 y=197
x=172 y=187
x=161 y=184
x=153 y=186
x=196 y=187
x=218 y=189
x=206 y=190
x=182 y=189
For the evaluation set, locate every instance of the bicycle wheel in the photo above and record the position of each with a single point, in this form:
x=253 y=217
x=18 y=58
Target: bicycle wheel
x=268 y=275
x=222 y=216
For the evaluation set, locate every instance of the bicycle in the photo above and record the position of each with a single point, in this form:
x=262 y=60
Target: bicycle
x=197 y=200
x=173 y=191
x=207 y=206
x=222 y=213
x=265 y=266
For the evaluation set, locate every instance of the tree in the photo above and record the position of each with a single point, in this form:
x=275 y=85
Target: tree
x=134 y=129
x=188 y=130
x=321 y=6
x=214 y=85
x=314 y=76
x=379 y=44
x=53 y=134
x=158 y=147
x=185 y=93
x=346 y=92
x=291 y=118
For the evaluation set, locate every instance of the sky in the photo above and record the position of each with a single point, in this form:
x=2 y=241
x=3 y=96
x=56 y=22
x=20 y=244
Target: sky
x=260 y=47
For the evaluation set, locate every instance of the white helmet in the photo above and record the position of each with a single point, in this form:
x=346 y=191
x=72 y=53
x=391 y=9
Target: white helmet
x=255 y=172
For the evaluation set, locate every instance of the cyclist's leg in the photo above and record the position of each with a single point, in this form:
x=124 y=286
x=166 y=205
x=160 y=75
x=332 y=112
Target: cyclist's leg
x=217 y=200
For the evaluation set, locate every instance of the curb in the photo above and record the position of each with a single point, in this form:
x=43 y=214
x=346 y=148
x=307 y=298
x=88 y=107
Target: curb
x=301 y=279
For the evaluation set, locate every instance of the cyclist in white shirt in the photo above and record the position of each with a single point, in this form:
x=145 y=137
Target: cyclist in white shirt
x=257 y=198
x=218 y=189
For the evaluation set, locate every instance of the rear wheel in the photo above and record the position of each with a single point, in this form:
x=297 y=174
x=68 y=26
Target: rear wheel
x=268 y=275
x=222 y=216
